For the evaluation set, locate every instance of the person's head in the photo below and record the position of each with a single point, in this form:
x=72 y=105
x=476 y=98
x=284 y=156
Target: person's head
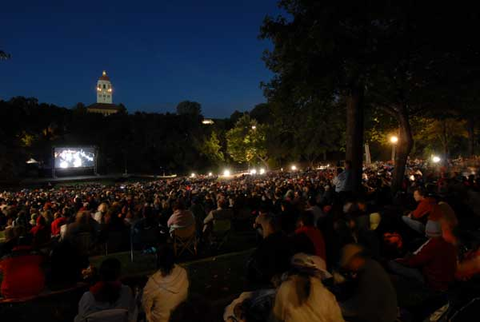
x=433 y=229
x=348 y=164
x=419 y=194
x=178 y=205
x=103 y=208
x=165 y=259
x=222 y=203
x=83 y=217
x=268 y=223
x=110 y=270
x=362 y=205
x=353 y=257
x=311 y=202
x=108 y=290
x=306 y=219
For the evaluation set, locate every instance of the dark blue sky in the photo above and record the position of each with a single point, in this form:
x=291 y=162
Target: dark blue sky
x=157 y=53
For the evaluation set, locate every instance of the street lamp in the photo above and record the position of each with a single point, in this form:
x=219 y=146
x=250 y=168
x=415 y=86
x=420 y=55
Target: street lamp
x=436 y=159
x=254 y=127
x=226 y=173
x=294 y=167
x=394 y=141
x=262 y=171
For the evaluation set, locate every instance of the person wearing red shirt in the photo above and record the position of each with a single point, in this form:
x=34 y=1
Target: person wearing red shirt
x=425 y=210
x=433 y=264
x=306 y=226
x=22 y=274
x=59 y=221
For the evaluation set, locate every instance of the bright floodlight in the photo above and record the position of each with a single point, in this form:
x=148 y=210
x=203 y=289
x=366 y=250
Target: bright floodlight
x=253 y=127
x=436 y=159
x=262 y=171
x=226 y=173
x=294 y=167
x=253 y=171
x=210 y=174
x=192 y=175
x=394 y=139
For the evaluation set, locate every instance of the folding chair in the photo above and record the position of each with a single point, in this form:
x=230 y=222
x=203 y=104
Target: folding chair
x=113 y=315
x=220 y=232
x=185 y=239
x=84 y=242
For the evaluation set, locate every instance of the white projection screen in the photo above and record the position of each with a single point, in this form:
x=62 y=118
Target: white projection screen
x=74 y=157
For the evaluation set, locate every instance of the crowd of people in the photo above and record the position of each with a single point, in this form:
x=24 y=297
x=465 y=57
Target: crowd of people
x=324 y=253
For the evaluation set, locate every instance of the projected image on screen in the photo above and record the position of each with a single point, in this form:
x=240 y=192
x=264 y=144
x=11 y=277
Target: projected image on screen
x=66 y=158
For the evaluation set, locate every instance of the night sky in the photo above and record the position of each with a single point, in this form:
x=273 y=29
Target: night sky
x=157 y=53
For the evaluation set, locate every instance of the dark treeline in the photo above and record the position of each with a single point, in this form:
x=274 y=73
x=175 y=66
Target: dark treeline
x=140 y=142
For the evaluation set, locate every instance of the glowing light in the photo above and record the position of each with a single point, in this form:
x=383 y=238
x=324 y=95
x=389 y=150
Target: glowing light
x=192 y=175
x=210 y=174
x=253 y=171
x=262 y=171
x=63 y=164
x=104 y=73
x=436 y=159
x=207 y=121
x=394 y=139
x=226 y=173
x=412 y=178
x=253 y=127
x=294 y=168
x=110 y=90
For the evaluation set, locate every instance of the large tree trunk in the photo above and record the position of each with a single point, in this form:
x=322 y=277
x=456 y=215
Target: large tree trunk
x=471 y=136
x=404 y=147
x=354 y=138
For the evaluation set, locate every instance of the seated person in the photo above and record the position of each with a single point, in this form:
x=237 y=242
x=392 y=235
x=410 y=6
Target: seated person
x=303 y=297
x=59 y=220
x=433 y=264
x=374 y=298
x=146 y=231
x=306 y=226
x=109 y=293
x=83 y=224
x=426 y=205
x=273 y=254
x=166 y=288
x=221 y=213
x=40 y=232
x=22 y=272
x=181 y=218
x=66 y=265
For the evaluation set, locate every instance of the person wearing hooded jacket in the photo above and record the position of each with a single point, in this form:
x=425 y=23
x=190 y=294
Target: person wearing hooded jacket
x=165 y=289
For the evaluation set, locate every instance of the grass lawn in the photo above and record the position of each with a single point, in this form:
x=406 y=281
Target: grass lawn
x=219 y=279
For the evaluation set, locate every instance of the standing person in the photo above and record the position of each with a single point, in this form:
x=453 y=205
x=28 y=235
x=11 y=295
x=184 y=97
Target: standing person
x=109 y=293
x=165 y=289
x=374 y=299
x=344 y=182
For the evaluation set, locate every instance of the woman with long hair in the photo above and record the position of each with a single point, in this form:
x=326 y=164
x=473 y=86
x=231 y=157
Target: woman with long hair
x=165 y=289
